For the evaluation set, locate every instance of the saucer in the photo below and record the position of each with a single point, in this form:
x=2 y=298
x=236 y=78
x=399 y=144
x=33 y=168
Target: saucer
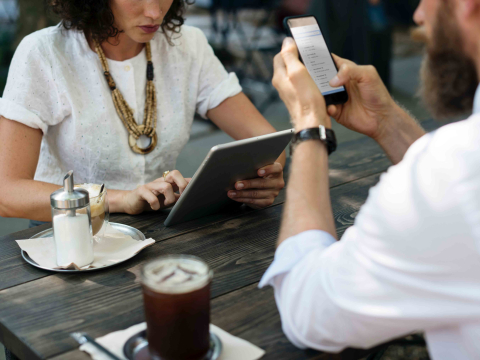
x=136 y=348
x=128 y=230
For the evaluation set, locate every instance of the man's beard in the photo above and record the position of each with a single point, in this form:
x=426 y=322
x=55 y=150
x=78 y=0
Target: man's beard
x=449 y=77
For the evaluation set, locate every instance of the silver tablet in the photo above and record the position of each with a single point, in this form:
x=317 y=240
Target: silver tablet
x=222 y=168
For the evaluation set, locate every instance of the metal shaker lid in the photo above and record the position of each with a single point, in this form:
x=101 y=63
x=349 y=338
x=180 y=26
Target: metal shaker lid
x=68 y=197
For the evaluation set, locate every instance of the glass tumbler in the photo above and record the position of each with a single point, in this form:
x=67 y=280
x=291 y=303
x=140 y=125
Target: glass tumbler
x=176 y=294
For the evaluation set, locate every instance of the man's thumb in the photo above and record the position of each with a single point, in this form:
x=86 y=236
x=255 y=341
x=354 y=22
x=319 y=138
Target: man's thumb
x=289 y=51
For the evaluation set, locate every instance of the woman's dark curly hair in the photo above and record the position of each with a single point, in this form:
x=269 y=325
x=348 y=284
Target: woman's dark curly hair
x=95 y=17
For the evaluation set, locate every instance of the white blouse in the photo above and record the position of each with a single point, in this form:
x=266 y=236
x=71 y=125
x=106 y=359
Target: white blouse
x=56 y=84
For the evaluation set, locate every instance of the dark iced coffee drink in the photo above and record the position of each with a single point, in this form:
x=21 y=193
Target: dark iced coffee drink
x=176 y=293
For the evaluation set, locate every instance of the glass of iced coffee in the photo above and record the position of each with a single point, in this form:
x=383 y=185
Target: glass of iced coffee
x=98 y=207
x=176 y=294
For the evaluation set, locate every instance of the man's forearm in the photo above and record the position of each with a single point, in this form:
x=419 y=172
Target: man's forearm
x=400 y=131
x=308 y=204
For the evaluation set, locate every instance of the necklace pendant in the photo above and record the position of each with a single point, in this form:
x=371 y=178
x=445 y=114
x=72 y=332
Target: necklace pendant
x=140 y=150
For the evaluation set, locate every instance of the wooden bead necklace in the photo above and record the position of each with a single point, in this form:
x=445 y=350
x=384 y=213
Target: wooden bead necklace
x=125 y=113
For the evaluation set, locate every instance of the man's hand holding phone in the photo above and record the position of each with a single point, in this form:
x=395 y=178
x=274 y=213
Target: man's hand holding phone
x=370 y=104
x=370 y=110
x=297 y=89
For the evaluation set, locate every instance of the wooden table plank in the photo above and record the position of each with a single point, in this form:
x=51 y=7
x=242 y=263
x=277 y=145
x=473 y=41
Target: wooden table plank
x=251 y=314
x=347 y=164
x=45 y=311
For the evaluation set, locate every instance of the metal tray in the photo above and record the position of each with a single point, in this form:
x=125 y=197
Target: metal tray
x=128 y=230
x=136 y=348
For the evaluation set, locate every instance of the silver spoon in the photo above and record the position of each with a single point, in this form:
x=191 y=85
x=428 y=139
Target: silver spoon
x=101 y=190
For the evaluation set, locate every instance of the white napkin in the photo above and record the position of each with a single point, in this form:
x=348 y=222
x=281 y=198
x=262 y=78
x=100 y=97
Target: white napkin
x=111 y=248
x=234 y=348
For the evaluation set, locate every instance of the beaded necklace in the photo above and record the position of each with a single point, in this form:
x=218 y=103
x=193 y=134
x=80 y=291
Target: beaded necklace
x=125 y=113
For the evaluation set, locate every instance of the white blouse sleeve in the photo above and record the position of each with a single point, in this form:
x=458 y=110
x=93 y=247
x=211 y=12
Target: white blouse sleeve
x=31 y=94
x=215 y=84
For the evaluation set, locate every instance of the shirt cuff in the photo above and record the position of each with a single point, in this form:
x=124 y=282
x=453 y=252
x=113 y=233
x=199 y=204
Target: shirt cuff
x=227 y=88
x=13 y=111
x=294 y=249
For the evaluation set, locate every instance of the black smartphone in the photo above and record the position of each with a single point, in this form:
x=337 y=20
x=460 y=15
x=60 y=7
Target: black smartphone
x=314 y=53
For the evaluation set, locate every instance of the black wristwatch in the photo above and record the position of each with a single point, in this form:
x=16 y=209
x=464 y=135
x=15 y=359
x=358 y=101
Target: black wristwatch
x=326 y=136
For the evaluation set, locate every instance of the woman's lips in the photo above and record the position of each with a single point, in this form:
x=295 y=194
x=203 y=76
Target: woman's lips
x=149 y=28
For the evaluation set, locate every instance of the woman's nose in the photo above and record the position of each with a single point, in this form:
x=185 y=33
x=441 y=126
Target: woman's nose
x=153 y=9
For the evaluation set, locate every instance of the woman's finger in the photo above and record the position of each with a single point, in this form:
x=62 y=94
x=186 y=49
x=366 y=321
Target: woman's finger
x=175 y=177
x=162 y=180
x=169 y=194
x=260 y=183
x=275 y=169
x=165 y=189
x=149 y=197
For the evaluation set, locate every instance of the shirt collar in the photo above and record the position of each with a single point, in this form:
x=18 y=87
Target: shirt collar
x=476 y=101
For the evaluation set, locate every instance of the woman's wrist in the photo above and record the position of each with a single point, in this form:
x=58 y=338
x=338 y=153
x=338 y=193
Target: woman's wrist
x=282 y=159
x=116 y=201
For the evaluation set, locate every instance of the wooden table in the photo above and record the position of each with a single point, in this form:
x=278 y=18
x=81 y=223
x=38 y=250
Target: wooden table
x=39 y=309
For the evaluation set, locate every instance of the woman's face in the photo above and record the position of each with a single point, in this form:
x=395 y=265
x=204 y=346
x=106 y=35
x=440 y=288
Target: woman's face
x=139 y=19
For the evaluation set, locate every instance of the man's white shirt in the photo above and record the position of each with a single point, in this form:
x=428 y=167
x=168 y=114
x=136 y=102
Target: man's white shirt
x=411 y=261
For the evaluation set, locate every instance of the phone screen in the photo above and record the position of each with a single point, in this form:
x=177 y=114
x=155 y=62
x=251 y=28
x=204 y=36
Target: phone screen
x=314 y=52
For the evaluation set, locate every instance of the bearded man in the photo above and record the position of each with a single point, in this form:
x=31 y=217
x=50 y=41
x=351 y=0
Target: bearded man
x=411 y=261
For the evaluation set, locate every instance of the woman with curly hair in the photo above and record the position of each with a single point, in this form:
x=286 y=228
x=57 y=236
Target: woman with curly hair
x=111 y=92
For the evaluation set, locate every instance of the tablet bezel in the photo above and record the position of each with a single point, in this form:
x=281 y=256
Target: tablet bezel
x=247 y=155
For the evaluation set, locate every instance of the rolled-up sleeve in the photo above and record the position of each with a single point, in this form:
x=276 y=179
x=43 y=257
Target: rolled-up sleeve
x=31 y=95
x=215 y=84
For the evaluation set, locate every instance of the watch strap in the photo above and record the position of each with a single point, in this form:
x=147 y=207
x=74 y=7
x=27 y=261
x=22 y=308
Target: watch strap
x=327 y=136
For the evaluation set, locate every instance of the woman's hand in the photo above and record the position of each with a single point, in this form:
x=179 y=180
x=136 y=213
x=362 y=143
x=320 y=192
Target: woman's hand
x=155 y=195
x=369 y=104
x=262 y=191
x=297 y=89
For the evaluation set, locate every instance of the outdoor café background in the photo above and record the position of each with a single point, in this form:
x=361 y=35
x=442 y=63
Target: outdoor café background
x=246 y=35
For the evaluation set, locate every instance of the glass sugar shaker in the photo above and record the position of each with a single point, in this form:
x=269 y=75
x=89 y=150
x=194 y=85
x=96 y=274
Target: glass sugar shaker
x=72 y=224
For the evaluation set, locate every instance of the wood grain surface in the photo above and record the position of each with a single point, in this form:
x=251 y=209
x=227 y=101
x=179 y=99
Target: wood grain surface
x=353 y=160
x=248 y=313
x=42 y=313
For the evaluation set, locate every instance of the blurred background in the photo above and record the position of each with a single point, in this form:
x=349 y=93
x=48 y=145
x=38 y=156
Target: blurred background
x=246 y=34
